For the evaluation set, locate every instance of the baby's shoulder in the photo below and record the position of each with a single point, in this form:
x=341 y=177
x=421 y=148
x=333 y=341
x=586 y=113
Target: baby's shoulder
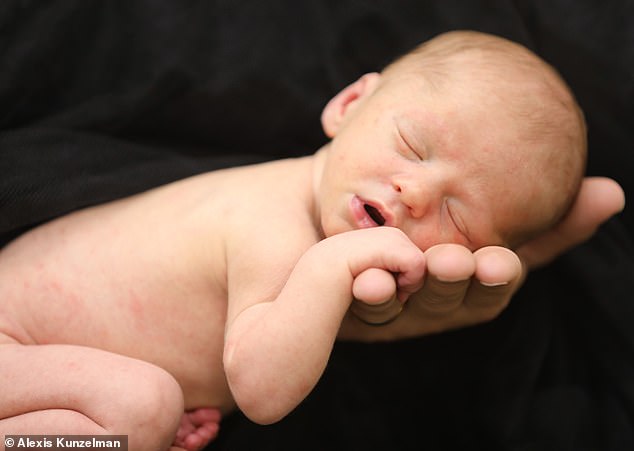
x=272 y=199
x=271 y=214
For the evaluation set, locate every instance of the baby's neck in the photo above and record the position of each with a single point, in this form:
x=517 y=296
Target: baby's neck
x=318 y=162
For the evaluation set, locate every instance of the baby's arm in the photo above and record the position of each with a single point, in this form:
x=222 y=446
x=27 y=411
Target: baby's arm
x=277 y=345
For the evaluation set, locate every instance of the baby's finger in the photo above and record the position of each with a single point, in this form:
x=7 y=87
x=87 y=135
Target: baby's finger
x=374 y=286
x=411 y=277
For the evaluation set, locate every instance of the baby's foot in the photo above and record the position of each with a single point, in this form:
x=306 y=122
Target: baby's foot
x=198 y=427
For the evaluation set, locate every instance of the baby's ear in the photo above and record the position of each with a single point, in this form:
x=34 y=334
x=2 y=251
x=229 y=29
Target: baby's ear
x=340 y=105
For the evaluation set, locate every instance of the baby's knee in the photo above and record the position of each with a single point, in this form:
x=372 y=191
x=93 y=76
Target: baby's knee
x=151 y=414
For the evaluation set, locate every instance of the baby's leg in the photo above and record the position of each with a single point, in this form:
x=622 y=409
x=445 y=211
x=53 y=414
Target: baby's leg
x=63 y=389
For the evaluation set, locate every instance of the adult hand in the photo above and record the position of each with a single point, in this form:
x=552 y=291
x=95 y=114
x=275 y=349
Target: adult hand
x=464 y=288
x=598 y=200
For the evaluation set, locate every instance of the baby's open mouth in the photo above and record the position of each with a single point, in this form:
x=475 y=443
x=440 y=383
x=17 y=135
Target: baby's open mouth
x=374 y=214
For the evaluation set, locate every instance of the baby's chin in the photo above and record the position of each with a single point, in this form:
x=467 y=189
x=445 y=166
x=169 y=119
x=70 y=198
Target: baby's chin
x=332 y=228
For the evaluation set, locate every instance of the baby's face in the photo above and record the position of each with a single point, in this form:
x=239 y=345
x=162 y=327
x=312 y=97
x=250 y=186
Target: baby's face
x=442 y=167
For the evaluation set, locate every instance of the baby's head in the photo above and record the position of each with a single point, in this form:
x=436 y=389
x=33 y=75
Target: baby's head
x=497 y=137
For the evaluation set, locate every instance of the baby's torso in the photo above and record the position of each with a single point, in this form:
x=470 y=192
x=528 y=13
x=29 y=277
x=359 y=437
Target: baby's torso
x=143 y=277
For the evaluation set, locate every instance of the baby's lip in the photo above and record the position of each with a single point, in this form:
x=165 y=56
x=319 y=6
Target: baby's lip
x=369 y=213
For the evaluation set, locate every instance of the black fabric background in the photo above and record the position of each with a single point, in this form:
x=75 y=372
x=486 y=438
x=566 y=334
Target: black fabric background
x=102 y=99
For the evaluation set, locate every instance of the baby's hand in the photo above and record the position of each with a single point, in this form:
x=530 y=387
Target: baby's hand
x=383 y=261
x=379 y=294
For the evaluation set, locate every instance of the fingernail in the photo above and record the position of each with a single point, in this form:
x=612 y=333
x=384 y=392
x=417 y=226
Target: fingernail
x=450 y=280
x=493 y=284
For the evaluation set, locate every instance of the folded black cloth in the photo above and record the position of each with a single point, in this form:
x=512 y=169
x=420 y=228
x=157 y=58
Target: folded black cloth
x=101 y=100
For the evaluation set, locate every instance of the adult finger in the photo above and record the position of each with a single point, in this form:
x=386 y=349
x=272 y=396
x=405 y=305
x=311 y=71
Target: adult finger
x=449 y=271
x=497 y=276
x=377 y=314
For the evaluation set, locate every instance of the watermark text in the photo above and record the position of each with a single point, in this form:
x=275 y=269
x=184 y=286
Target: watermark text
x=55 y=442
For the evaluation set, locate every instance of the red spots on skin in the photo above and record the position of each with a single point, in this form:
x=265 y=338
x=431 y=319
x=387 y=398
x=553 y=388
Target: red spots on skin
x=136 y=308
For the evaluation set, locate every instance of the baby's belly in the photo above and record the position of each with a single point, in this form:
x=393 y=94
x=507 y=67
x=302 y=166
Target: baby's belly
x=192 y=354
x=194 y=358
x=187 y=346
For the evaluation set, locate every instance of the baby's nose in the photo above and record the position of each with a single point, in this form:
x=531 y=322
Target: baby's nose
x=414 y=195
